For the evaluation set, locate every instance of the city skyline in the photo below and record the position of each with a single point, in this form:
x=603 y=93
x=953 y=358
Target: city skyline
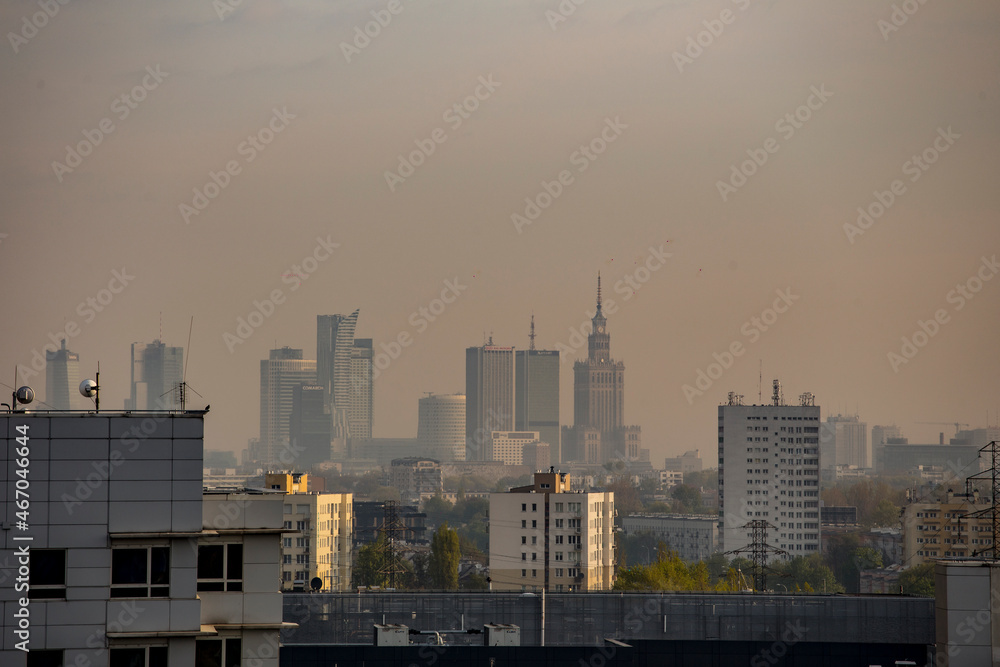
x=811 y=189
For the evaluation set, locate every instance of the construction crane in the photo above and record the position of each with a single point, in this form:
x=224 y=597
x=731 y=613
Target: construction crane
x=958 y=425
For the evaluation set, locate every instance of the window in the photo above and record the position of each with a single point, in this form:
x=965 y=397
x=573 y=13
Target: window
x=559 y=539
x=524 y=556
x=534 y=539
x=47 y=578
x=534 y=556
x=286 y=559
x=142 y=572
x=217 y=653
x=150 y=656
x=287 y=525
x=524 y=573
x=534 y=507
x=534 y=573
x=524 y=507
x=524 y=523
x=300 y=525
x=559 y=523
x=287 y=542
x=302 y=542
x=559 y=555
x=220 y=567
x=524 y=539
x=534 y=524
x=45 y=658
x=559 y=507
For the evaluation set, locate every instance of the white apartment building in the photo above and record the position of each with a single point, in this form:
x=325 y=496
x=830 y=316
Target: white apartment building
x=508 y=446
x=693 y=536
x=127 y=564
x=320 y=527
x=547 y=537
x=769 y=465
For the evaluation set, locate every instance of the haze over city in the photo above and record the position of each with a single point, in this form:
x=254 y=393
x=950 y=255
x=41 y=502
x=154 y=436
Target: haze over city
x=736 y=167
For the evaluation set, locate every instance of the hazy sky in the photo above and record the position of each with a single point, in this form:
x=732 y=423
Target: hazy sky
x=676 y=117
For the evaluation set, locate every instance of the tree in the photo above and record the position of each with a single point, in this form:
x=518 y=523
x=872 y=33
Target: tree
x=688 y=499
x=367 y=570
x=918 y=580
x=626 y=496
x=445 y=556
x=886 y=513
x=475 y=582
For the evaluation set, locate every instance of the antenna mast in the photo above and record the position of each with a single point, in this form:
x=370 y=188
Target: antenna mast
x=531 y=336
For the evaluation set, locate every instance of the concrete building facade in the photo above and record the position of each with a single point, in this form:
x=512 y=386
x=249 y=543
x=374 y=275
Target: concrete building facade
x=547 y=537
x=937 y=530
x=280 y=374
x=769 y=463
x=489 y=396
x=415 y=476
x=128 y=564
x=536 y=395
x=693 y=536
x=441 y=426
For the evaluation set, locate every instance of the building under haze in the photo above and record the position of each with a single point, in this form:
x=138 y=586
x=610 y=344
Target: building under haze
x=441 y=426
x=157 y=371
x=536 y=393
x=280 y=375
x=360 y=410
x=309 y=426
x=883 y=435
x=62 y=379
x=334 y=353
x=489 y=396
x=599 y=433
x=769 y=463
x=844 y=444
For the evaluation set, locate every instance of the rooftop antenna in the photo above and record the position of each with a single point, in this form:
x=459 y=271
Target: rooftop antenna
x=92 y=388
x=531 y=337
x=182 y=386
x=760 y=381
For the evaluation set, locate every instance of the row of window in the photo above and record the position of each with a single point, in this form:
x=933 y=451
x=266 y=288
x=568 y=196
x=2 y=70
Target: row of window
x=208 y=653
x=140 y=572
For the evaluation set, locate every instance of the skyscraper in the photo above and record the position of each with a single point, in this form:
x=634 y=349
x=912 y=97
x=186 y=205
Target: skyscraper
x=844 y=442
x=279 y=376
x=489 y=396
x=441 y=426
x=536 y=394
x=157 y=370
x=309 y=426
x=360 y=407
x=62 y=379
x=769 y=462
x=334 y=349
x=599 y=433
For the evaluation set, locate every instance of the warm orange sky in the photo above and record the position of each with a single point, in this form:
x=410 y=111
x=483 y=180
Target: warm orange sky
x=673 y=129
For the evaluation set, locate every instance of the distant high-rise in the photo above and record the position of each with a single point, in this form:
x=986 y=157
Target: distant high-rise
x=489 y=396
x=844 y=442
x=882 y=435
x=279 y=376
x=309 y=426
x=536 y=394
x=360 y=409
x=599 y=433
x=157 y=371
x=62 y=379
x=441 y=426
x=769 y=462
x=334 y=351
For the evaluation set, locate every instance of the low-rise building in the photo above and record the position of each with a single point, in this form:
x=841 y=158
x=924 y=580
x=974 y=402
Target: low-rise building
x=415 y=476
x=693 y=536
x=689 y=461
x=935 y=530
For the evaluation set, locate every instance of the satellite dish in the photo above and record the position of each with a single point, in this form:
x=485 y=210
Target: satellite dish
x=316 y=583
x=88 y=388
x=25 y=395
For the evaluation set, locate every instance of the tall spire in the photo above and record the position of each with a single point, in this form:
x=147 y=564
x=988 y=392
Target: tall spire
x=598 y=291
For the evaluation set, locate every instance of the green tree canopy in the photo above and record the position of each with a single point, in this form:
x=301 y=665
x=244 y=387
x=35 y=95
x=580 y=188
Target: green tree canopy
x=445 y=557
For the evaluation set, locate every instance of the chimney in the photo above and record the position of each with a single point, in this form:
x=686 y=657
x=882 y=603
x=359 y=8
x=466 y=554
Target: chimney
x=940 y=438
